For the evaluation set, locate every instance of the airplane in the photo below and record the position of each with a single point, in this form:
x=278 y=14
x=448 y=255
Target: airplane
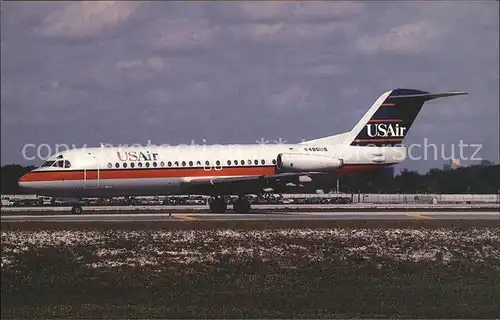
x=376 y=141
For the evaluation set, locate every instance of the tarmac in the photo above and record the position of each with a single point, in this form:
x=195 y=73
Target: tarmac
x=282 y=216
x=366 y=207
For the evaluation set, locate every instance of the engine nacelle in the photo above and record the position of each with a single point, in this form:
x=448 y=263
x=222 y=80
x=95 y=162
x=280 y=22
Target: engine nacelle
x=294 y=162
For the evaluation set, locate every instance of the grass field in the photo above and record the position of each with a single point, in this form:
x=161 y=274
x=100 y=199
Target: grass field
x=336 y=272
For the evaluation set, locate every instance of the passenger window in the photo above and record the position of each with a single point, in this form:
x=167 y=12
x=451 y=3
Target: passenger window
x=263 y=161
x=249 y=162
x=242 y=162
x=124 y=164
x=169 y=164
x=190 y=163
x=177 y=163
x=256 y=162
x=162 y=164
x=274 y=161
x=110 y=165
x=139 y=164
x=132 y=165
x=217 y=163
x=198 y=163
x=228 y=162
x=183 y=163
x=117 y=165
x=155 y=164
x=67 y=164
x=207 y=163
x=236 y=162
x=147 y=164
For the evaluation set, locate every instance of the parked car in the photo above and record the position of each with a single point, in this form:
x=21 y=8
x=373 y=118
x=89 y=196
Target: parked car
x=7 y=202
x=45 y=201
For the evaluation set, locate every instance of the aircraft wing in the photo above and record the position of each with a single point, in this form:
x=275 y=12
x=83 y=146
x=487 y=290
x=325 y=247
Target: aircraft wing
x=243 y=184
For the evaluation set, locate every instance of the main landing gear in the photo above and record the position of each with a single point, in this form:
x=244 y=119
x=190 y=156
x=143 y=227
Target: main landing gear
x=242 y=205
x=218 y=205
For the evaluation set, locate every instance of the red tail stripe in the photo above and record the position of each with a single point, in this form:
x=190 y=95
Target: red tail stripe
x=385 y=120
x=378 y=140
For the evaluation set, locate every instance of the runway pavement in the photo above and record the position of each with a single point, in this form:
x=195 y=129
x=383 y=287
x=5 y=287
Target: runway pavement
x=325 y=208
x=286 y=216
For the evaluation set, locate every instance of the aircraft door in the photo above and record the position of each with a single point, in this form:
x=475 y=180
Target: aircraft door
x=91 y=173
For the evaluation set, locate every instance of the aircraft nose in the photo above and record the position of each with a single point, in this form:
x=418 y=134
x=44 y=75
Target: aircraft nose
x=26 y=182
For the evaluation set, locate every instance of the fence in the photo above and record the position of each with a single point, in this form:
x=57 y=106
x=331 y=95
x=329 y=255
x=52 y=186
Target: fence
x=373 y=198
x=427 y=198
x=408 y=198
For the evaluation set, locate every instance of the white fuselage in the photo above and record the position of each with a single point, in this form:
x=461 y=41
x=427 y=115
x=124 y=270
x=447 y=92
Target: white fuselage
x=155 y=170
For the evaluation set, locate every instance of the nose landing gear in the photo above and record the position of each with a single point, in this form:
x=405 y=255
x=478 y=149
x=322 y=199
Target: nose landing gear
x=76 y=209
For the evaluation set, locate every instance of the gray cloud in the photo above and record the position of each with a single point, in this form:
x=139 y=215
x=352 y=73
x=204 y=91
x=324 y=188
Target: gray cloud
x=170 y=72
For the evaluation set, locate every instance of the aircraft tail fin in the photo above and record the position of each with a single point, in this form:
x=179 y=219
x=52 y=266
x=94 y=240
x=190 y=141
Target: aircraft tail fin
x=390 y=118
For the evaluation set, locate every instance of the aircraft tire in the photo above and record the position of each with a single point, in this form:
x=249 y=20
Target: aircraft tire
x=218 y=205
x=242 y=205
x=76 y=210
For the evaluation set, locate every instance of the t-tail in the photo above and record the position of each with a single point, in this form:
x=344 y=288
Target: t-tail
x=390 y=118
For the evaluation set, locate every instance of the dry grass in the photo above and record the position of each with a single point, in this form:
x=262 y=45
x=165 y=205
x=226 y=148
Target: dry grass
x=334 y=272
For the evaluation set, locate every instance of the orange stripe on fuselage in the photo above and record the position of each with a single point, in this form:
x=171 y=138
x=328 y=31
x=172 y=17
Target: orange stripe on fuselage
x=108 y=174
x=143 y=173
x=359 y=168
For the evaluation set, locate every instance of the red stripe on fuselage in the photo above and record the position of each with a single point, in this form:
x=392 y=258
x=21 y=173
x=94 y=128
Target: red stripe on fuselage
x=143 y=173
x=348 y=169
x=105 y=174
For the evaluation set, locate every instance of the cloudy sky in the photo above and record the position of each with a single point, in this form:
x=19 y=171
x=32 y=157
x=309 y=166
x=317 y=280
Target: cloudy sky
x=170 y=72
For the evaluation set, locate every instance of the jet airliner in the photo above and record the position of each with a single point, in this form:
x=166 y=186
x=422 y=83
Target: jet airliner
x=375 y=141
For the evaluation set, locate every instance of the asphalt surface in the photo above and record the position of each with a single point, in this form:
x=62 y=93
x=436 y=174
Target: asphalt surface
x=283 y=208
x=286 y=216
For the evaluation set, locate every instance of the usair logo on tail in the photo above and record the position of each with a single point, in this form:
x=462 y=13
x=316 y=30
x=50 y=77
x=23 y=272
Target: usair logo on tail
x=385 y=130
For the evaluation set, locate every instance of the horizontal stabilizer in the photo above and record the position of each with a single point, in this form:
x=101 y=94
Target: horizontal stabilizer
x=429 y=96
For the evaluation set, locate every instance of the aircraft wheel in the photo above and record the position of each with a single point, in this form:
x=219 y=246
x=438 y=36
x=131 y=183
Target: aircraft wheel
x=218 y=205
x=76 y=210
x=242 y=205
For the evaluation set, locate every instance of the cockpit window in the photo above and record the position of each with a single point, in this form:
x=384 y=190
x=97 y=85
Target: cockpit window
x=47 y=163
x=67 y=164
x=60 y=164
